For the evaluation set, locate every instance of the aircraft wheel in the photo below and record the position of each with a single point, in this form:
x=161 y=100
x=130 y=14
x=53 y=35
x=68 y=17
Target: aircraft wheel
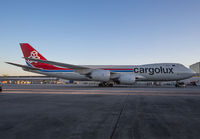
x=176 y=85
x=105 y=84
x=110 y=85
x=101 y=85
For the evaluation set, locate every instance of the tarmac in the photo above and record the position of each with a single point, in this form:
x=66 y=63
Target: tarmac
x=86 y=112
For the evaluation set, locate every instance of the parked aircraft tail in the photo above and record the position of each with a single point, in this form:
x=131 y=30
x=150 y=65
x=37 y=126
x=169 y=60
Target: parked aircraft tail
x=30 y=52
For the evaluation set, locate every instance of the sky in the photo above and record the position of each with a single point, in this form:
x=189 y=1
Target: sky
x=100 y=32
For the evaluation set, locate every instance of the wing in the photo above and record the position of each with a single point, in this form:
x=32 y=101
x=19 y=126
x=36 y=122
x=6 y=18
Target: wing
x=76 y=68
x=71 y=66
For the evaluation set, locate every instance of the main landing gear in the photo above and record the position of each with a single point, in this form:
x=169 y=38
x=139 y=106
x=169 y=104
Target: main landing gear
x=179 y=84
x=105 y=84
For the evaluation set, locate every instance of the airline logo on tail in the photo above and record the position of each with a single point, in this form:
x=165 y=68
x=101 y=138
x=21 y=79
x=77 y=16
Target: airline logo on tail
x=30 y=52
x=34 y=55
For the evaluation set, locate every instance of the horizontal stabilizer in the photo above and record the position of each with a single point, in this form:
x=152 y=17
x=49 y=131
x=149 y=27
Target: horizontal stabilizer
x=22 y=66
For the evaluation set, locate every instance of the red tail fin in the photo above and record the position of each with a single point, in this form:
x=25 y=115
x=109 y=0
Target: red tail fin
x=30 y=52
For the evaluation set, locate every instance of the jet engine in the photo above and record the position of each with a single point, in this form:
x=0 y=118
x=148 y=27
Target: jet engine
x=100 y=75
x=126 y=79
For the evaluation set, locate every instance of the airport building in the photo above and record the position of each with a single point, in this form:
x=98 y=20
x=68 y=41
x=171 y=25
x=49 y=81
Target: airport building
x=196 y=67
x=29 y=80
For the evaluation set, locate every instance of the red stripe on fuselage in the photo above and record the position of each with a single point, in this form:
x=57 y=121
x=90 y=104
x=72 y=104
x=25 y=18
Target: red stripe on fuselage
x=50 y=67
x=118 y=69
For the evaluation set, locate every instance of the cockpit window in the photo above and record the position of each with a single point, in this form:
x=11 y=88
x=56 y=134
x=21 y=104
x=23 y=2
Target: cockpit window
x=178 y=65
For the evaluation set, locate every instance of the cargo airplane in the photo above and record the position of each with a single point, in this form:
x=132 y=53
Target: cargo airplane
x=106 y=75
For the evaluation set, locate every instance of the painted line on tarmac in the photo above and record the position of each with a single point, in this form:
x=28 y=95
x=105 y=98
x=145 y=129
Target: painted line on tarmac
x=131 y=91
x=138 y=93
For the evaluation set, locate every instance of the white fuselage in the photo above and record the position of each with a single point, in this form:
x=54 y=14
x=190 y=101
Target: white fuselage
x=148 y=72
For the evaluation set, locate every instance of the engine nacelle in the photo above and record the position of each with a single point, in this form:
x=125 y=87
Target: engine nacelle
x=127 y=79
x=100 y=75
